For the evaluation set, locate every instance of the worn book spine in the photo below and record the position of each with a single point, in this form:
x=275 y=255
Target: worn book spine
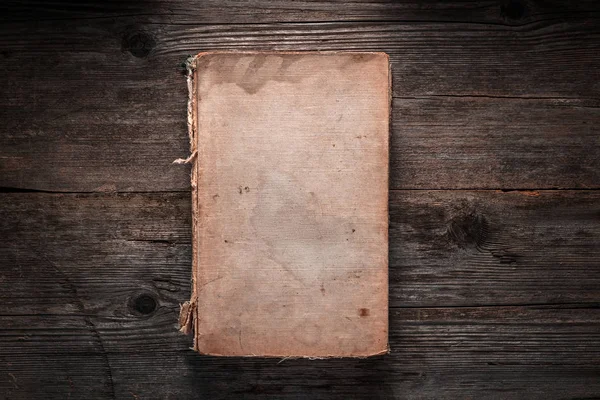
x=189 y=319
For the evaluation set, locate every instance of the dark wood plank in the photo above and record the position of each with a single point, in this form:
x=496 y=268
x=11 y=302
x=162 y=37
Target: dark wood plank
x=98 y=104
x=492 y=247
x=480 y=142
x=493 y=294
x=456 y=248
x=508 y=12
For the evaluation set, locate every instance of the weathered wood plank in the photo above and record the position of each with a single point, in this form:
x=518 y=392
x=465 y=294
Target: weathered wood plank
x=489 y=247
x=547 y=58
x=437 y=142
x=91 y=285
x=497 y=352
x=475 y=142
x=99 y=104
x=510 y=12
x=457 y=248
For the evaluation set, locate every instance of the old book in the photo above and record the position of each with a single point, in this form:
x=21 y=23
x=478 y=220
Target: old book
x=290 y=202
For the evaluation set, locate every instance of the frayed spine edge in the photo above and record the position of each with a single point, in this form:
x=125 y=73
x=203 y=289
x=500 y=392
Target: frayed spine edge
x=187 y=313
x=190 y=65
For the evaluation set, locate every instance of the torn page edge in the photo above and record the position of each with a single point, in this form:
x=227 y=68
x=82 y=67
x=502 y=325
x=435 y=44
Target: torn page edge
x=188 y=313
x=186 y=317
x=186 y=160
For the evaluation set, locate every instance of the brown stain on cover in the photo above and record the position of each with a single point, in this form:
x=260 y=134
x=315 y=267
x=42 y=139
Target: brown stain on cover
x=280 y=254
x=250 y=71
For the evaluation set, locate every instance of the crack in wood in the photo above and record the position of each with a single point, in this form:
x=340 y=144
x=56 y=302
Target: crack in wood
x=88 y=321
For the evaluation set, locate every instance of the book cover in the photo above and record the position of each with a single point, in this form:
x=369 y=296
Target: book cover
x=290 y=158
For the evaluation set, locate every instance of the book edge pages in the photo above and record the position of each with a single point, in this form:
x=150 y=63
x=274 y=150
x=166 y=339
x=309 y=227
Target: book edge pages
x=188 y=318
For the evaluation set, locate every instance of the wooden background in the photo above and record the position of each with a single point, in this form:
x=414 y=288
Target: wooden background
x=494 y=201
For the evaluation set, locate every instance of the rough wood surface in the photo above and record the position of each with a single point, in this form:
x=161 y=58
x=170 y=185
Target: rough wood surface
x=493 y=293
x=96 y=101
x=273 y=11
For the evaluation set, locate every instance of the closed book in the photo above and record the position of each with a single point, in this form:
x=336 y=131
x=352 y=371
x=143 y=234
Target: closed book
x=290 y=158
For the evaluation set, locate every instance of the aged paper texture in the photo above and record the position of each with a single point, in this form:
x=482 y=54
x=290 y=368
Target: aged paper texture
x=290 y=186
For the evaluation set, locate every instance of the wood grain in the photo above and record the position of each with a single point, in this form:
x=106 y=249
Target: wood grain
x=492 y=294
x=276 y=11
x=98 y=104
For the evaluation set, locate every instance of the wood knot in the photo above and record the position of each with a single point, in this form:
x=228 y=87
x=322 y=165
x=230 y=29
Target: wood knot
x=513 y=9
x=468 y=230
x=144 y=304
x=139 y=43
